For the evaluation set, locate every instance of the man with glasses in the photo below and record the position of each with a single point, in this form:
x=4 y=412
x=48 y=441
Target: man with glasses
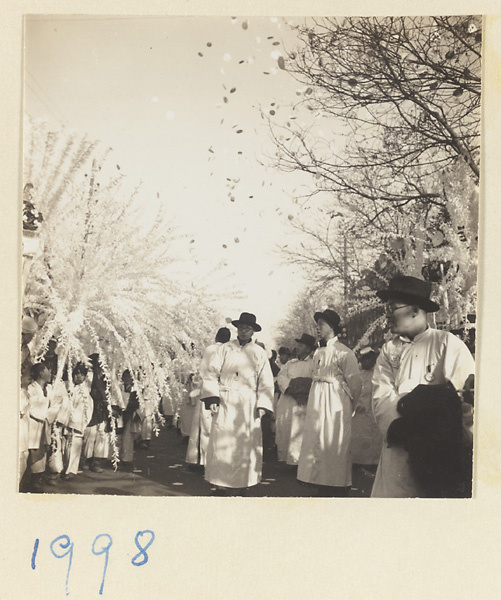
x=417 y=354
x=237 y=387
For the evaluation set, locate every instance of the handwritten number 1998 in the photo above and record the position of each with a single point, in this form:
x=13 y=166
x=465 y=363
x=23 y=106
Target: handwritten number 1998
x=62 y=546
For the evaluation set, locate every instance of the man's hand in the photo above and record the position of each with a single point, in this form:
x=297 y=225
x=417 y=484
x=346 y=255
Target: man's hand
x=468 y=390
x=262 y=411
x=212 y=404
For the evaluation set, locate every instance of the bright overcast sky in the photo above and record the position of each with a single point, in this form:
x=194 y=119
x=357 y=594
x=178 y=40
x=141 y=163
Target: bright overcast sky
x=178 y=100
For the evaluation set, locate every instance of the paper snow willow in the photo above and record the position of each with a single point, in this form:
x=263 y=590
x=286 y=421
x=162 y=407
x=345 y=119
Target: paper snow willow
x=103 y=279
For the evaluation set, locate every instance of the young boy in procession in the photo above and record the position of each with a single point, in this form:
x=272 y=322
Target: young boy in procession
x=57 y=417
x=51 y=358
x=96 y=437
x=131 y=422
x=187 y=406
x=81 y=409
x=38 y=400
x=146 y=412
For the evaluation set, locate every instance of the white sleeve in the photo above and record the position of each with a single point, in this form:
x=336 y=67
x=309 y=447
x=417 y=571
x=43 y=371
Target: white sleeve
x=38 y=403
x=265 y=386
x=384 y=393
x=458 y=362
x=352 y=376
x=283 y=378
x=458 y=366
x=210 y=371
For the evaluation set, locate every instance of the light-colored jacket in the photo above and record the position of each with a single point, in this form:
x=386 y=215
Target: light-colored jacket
x=433 y=357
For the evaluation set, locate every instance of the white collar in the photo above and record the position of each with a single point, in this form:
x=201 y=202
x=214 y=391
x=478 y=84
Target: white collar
x=417 y=337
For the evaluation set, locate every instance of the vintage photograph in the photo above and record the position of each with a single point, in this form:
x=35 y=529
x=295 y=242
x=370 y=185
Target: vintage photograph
x=249 y=258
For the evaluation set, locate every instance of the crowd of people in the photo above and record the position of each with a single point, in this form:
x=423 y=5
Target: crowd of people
x=403 y=412
x=66 y=424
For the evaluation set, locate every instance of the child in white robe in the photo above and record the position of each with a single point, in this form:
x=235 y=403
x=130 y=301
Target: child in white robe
x=38 y=405
x=80 y=414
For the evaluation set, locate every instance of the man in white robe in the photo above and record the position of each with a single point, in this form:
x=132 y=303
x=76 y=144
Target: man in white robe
x=366 y=440
x=202 y=419
x=237 y=386
x=416 y=355
x=290 y=414
x=325 y=458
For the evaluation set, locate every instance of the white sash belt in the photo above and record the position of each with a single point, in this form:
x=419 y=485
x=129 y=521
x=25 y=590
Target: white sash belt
x=342 y=383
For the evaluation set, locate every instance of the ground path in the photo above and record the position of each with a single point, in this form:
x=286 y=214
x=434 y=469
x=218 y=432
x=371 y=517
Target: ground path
x=161 y=470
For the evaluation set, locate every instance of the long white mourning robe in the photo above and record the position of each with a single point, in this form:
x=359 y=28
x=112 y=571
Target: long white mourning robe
x=202 y=419
x=82 y=407
x=431 y=358
x=366 y=439
x=325 y=457
x=290 y=416
x=241 y=377
x=38 y=408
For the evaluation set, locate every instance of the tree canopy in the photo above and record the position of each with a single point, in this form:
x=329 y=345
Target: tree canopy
x=392 y=151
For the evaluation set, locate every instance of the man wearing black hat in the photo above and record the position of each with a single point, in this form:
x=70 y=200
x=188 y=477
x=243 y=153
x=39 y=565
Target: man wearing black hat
x=202 y=419
x=418 y=354
x=237 y=386
x=325 y=458
x=291 y=408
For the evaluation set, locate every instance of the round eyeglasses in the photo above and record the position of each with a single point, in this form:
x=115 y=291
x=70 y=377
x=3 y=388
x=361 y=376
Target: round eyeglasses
x=389 y=310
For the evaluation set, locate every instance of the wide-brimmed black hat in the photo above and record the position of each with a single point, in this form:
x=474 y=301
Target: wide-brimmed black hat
x=307 y=340
x=247 y=319
x=329 y=316
x=410 y=289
